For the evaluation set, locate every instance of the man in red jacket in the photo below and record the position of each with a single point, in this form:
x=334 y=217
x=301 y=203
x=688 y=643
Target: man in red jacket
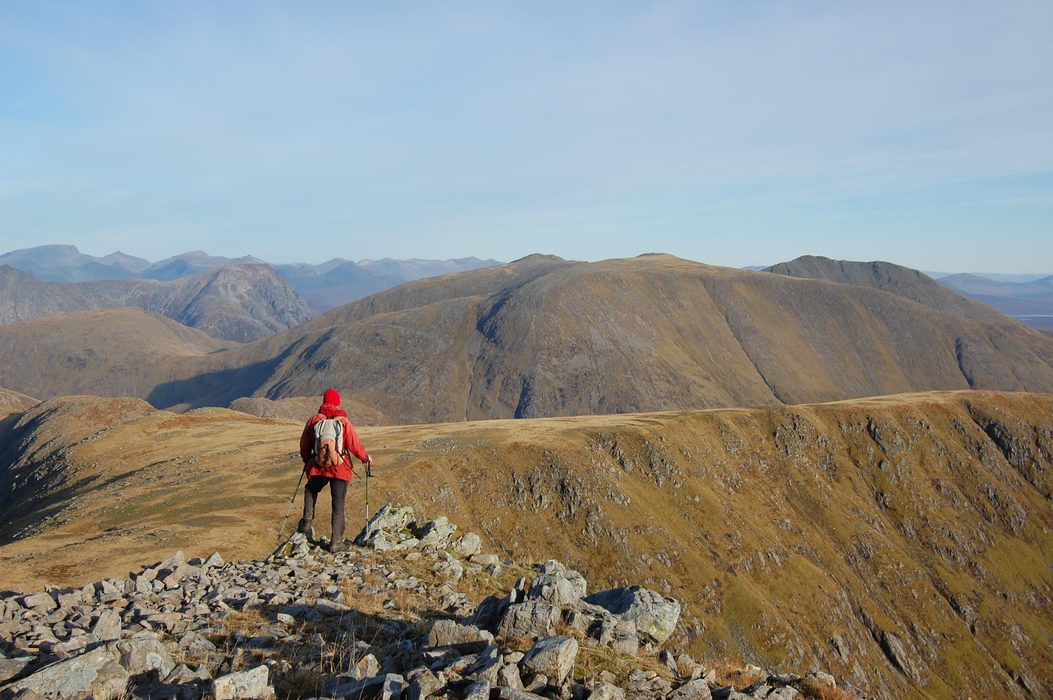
x=336 y=477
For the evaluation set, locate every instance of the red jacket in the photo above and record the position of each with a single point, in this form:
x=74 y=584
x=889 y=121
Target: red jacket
x=352 y=445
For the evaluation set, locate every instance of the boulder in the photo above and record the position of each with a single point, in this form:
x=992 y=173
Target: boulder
x=697 y=689
x=477 y=690
x=422 y=683
x=144 y=654
x=41 y=602
x=468 y=544
x=388 y=526
x=444 y=633
x=553 y=657
x=436 y=533
x=108 y=627
x=96 y=673
x=897 y=653
x=558 y=585
x=12 y=668
x=655 y=615
x=606 y=691
x=386 y=687
x=533 y=618
x=515 y=694
x=243 y=685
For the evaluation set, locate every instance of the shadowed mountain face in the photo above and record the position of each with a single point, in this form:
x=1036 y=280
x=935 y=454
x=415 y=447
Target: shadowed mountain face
x=900 y=543
x=238 y=302
x=544 y=337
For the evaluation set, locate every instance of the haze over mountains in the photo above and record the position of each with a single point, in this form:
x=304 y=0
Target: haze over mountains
x=322 y=286
x=1031 y=301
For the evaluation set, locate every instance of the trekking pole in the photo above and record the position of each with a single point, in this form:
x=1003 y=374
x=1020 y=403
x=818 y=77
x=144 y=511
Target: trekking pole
x=369 y=473
x=281 y=530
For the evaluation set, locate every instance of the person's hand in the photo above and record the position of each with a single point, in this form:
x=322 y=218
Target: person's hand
x=369 y=465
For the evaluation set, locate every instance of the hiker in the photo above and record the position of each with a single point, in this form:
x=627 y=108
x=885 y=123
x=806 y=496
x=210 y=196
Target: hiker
x=326 y=446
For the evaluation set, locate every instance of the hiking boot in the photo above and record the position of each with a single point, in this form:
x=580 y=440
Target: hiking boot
x=305 y=527
x=338 y=546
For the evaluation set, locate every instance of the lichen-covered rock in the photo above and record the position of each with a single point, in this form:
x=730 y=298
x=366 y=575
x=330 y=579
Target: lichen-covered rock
x=96 y=673
x=450 y=633
x=436 y=533
x=533 y=618
x=558 y=585
x=253 y=684
x=552 y=656
x=143 y=654
x=692 y=690
x=468 y=544
x=108 y=627
x=655 y=615
x=388 y=527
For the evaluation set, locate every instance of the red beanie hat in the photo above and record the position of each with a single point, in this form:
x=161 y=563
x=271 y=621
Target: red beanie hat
x=331 y=396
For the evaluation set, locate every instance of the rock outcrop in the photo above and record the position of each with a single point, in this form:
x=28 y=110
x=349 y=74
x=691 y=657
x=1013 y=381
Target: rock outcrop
x=390 y=619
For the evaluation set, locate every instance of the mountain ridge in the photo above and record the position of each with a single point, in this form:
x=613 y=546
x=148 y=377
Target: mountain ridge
x=233 y=302
x=323 y=287
x=795 y=537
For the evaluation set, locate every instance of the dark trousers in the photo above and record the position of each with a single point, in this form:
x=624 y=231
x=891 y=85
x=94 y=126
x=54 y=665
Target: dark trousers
x=338 y=490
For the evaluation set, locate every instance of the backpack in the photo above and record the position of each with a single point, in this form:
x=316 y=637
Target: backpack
x=329 y=443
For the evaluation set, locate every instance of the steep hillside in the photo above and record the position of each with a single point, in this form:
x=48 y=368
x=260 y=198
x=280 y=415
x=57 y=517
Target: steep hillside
x=239 y=302
x=648 y=333
x=901 y=543
x=888 y=277
x=23 y=297
x=113 y=352
x=14 y=402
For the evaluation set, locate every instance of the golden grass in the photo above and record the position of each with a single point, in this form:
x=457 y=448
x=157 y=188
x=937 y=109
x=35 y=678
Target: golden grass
x=770 y=554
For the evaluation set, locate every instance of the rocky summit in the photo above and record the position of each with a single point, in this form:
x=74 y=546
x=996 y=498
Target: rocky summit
x=414 y=610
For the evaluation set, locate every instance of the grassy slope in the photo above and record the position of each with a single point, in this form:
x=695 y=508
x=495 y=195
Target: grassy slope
x=925 y=516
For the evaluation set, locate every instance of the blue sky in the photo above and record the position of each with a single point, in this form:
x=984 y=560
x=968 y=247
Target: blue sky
x=733 y=133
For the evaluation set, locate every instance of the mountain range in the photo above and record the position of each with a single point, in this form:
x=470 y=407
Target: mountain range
x=240 y=302
x=322 y=286
x=545 y=337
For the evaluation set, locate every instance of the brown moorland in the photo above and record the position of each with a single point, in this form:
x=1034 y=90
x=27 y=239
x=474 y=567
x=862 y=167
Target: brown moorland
x=902 y=542
x=111 y=352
